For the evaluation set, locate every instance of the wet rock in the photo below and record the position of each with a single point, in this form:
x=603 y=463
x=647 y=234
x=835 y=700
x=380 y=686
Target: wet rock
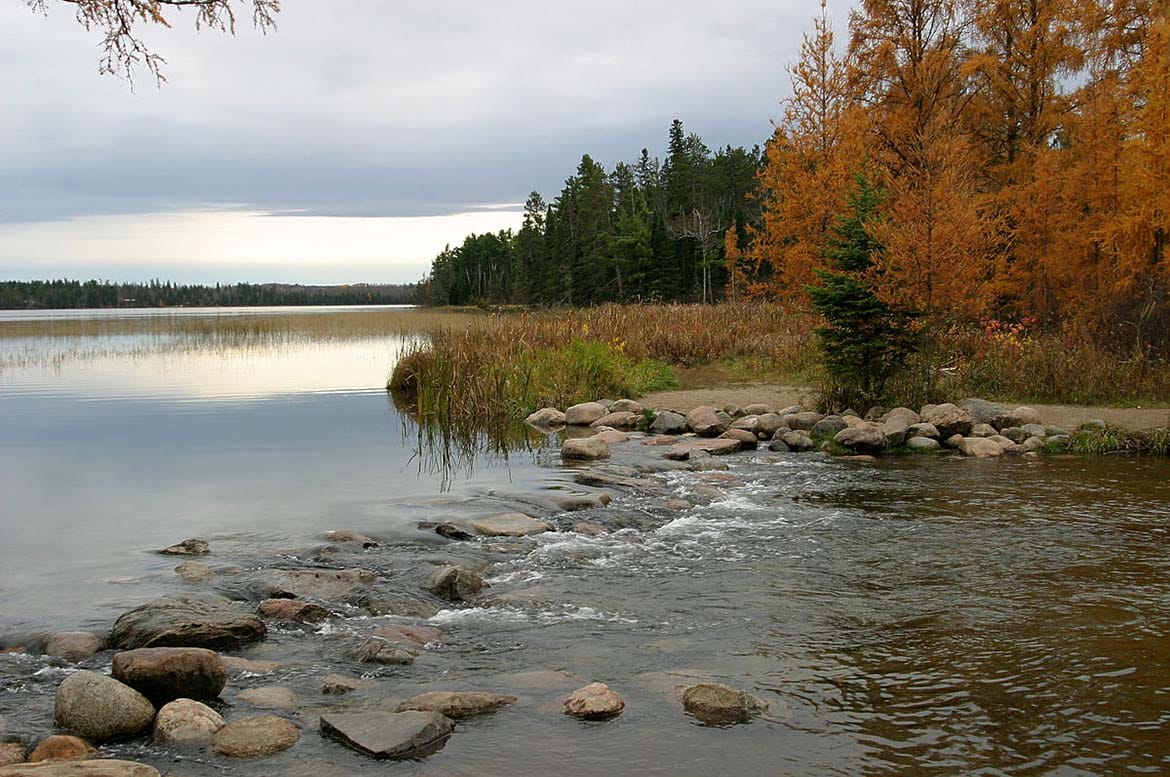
x=319 y=584
x=61 y=747
x=272 y=697
x=194 y=572
x=190 y=547
x=509 y=525
x=747 y=440
x=293 y=610
x=73 y=645
x=798 y=442
x=164 y=674
x=685 y=450
x=389 y=735
x=455 y=584
x=595 y=478
x=586 y=449
x=379 y=651
x=236 y=665
x=954 y=441
x=864 y=438
x=618 y=420
x=705 y=422
x=778 y=446
x=570 y=503
x=404 y=605
x=193 y=620
x=339 y=685
x=456 y=705
x=546 y=417
x=453 y=532
x=11 y=753
x=718 y=703
x=100 y=708
x=828 y=427
x=585 y=413
x=417 y=636
x=90 y=768
x=255 y=737
x=352 y=537
x=979 y=447
x=922 y=430
x=949 y=419
x=612 y=436
x=595 y=701
x=186 y=722
x=923 y=444
x=589 y=528
x=626 y=406
x=758 y=409
x=669 y=422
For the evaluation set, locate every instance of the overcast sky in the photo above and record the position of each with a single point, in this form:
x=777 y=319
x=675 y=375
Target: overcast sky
x=360 y=137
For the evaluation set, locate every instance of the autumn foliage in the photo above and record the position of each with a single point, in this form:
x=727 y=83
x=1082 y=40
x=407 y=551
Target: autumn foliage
x=1024 y=147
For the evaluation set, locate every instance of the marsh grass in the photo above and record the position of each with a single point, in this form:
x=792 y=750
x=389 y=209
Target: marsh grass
x=1113 y=441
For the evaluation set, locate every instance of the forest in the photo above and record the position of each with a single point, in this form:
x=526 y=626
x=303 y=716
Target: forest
x=1018 y=151
x=156 y=294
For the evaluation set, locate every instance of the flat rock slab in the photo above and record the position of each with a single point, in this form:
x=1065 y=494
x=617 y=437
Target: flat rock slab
x=509 y=525
x=456 y=704
x=681 y=451
x=385 y=735
x=109 y=768
x=194 y=620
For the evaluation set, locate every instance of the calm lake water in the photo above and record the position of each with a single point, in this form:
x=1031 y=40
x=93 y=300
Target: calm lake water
x=917 y=616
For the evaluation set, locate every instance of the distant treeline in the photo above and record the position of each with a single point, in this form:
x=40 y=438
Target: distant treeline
x=16 y=295
x=651 y=230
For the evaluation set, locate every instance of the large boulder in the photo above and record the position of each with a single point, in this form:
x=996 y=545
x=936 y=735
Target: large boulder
x=948 y=419
x=803 y=421
x=61 y=747
x=747 y=440
x=320 y=584
x=828 y=427
x=626 y=406
x=896 y=423
x=984 y=412
x=379 y=651
x=718 y=703
x=585 y=413
x=100 y=708
x=165 y=674
x=798 y=442
x=979 y=447
x=922 y=430
x=455 y=584
x=193 y=620
x=923 y=444
x=864 y=438
x=596 y=701
x=94 y=768
x=509 y=525
x=669 y=422
x=546 y=417
x=255 y=737
x=622 y=420
x=186 y=722
x=293 y=611
x=585 y=449
x=389 y=735
x=73 y=645
x=706 y=422
x=456 y=705
x=768 y=424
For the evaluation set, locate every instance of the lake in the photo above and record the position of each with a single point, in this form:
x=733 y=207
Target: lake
x=912 y=616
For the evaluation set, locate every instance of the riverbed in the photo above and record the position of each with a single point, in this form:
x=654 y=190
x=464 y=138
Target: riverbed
x=908 y=616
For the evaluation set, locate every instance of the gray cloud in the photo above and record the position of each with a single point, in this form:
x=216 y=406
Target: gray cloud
x=357 y=107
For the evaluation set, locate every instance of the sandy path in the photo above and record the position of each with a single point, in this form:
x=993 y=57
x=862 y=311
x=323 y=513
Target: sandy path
x=1065 y=416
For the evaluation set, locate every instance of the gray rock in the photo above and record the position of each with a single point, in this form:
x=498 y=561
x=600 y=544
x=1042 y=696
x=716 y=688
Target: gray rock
x=339 y=685
x=798 y=442
x=456 y=704
x=778 y=446
x=271 y=697
x=984 y=412
x=546 y=417
x=585 y=449
x=453 y=532
x=896 y=423
x=747 y=440
x=73 y=645
x=669 y=422
x=1032 y=444
x=1095 y=425
x=191 y=547
x=689 y=450
x=1058 y=441
x=193 y=620
x=748 y=423
x=980 y=448
x=455 y=584
x=194 y=572
x=922 y=430
x=255 y=737
x=948 y=419
x=293 y=611
x=1054 y=431
x=321 y=584
x=584 y=413
x=509 y=525
x=718 y=703
x=705 y=422
x=1014 y=433
x=626 y=406
x=185 y=722
x=1033 y=430
x=1024 y=415
x=768 y=424
x=983 y=430
x=621 y=420
x=96 y=768
x=828 y=427
x=953 y=441
x=596 y=701
x=923 y=444
x=790 y=410
x=864 y=438
x=803 y=421
x=165 y=674
x=99 y=708
x=389 y=735
x=758 y=409
x=379 y=651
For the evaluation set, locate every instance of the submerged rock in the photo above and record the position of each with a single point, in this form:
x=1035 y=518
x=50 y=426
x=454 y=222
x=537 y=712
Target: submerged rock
x=352 y=537
x=73 y=645
x=293 y=610
x=272 y=697
x=509 y=525
x=718 y=703
x=100 y=708
x=91 y=768
x=453 y=532
x=379 y=651
x=319 y=584
x=165 y=674
x=61 y=747
x=455 y=584
x=193 y=620
x=596 y=701
x=389 y=735
x=191 y=547
x=339 y=685
x=418 y=636
x=687 y=449
x=194 y=572
x=456 y=705
x=255 y=737
x=186 y=722
x=236 y=665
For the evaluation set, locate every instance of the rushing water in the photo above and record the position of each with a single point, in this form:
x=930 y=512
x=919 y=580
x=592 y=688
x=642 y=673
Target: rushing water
x=914 y=616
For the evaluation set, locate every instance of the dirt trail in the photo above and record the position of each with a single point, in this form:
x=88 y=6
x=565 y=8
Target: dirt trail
x=1065 y=416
